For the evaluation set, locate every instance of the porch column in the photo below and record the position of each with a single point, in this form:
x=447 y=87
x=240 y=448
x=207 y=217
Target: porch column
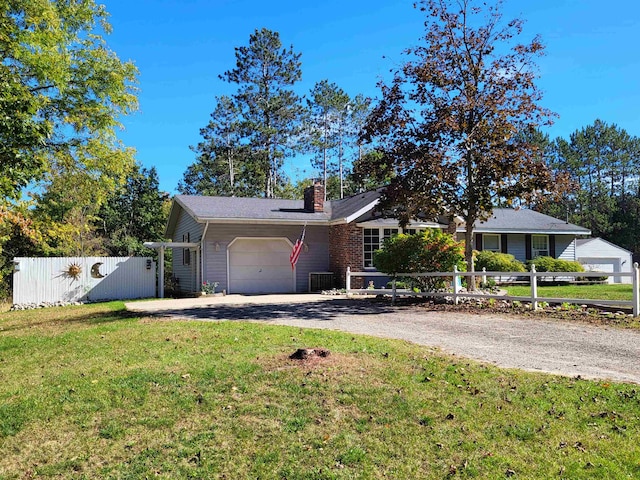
x=161 y=272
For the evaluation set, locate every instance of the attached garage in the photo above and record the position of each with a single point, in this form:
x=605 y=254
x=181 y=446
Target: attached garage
x=260 y=265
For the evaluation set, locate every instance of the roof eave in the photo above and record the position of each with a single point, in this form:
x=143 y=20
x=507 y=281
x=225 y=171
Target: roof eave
x=356 y=214
x=394 y=223
x=172 y=220
x=286 y=221
x=607 y=242
x=525 y=231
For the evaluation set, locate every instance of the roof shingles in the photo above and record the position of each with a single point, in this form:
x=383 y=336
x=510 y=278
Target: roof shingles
x=205 y=208
x=241 y=209
x=524 y=221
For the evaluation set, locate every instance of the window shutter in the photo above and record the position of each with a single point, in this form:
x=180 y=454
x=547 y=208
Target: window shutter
x=503 y=243
x=552 y=246
x=527 y=246
x=478 y=244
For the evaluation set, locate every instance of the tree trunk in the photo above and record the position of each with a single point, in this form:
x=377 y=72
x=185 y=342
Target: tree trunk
x=324 y=157
x=340 y=164
x=232 y=180
x=468 y=253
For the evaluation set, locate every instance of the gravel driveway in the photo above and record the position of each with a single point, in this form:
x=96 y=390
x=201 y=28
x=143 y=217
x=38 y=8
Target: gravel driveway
x=529 y=344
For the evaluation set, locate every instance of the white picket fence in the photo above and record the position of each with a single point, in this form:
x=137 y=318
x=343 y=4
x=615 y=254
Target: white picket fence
x=456 y=292
x=82 y=279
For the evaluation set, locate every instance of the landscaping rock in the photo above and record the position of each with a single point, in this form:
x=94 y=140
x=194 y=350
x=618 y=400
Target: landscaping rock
x=35 y=306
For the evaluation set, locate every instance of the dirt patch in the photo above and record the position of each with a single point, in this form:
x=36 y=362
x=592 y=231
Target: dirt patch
x=311 y=358
x=315 y=364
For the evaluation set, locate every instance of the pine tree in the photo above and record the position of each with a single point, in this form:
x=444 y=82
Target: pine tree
x=223 y=165
x=270 y=110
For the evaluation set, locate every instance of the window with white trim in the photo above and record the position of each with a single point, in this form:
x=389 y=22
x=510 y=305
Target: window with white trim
x=373 y=238
x=539 y=246
x=491 y=242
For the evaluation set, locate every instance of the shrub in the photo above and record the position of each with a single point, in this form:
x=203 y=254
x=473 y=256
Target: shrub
x=427 y=251
x=550 y=264
x=498 y=262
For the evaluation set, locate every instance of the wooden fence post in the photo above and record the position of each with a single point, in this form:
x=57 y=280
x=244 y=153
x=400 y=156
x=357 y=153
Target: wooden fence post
x=636 y=289
x=161 y=272
x=348 y=281
x=534 y=287
x=456 y=288
x=393 y=295
x=484 y=276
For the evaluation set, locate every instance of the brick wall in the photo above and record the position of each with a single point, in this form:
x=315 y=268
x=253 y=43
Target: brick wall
x=314 y=198
x=346 y=250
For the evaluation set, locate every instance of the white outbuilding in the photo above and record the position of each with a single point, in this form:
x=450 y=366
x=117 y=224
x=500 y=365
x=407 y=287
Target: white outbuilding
x=599 y=255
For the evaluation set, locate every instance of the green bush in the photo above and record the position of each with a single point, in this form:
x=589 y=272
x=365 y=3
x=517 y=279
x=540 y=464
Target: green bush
x=431 y=250
x=550 y=264
x=498 y=262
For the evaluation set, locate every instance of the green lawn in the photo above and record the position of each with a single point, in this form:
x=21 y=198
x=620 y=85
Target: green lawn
x=92 y=392
x=595 y=292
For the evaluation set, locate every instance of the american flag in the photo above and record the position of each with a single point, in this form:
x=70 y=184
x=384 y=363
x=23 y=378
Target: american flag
x=297 y=248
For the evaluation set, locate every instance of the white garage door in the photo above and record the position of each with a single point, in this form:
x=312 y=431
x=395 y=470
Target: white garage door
x=260 y=265
x=607 y=265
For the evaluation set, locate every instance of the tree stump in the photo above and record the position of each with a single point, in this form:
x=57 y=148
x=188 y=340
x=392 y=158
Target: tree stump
x=306 y=353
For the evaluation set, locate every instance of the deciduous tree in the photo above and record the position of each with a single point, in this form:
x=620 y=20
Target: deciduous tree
x=448 y=122
x=63 y=93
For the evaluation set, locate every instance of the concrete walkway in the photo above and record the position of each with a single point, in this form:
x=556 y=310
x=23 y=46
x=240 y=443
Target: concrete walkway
x=525 y=343
x=181 y=304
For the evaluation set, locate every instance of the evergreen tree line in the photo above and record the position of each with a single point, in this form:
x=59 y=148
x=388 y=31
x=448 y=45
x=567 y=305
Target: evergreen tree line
x=601 y=167
x=254 y=131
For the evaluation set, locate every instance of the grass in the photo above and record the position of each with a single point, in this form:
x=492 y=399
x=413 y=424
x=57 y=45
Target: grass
x=93 y=392
x=595 y=292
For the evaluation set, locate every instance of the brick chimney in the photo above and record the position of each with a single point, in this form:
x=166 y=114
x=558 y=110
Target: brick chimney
x=314 y=198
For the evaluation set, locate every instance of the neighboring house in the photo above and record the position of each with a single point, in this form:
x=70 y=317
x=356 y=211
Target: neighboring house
x=598 y=255
x=244 y=243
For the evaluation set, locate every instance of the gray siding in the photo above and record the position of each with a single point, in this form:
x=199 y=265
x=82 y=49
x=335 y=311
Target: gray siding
x=566 y=247
x=599 y=248
x=186 y=274
x=316 y=259
x=516 y=246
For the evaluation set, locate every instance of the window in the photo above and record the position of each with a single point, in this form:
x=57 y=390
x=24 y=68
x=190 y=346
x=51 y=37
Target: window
x=410 y=231
x=389 y=232
x=491 y=242
x=540 y=245
x=373 y=238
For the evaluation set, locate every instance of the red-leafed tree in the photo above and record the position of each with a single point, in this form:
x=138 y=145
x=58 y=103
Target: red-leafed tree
x=450 y=123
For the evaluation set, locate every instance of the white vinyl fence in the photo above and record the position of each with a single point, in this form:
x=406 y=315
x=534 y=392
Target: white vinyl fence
x=82 y=279
x=456 y=291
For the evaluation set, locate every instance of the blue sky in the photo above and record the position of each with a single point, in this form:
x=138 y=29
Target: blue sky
x=591 y=68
